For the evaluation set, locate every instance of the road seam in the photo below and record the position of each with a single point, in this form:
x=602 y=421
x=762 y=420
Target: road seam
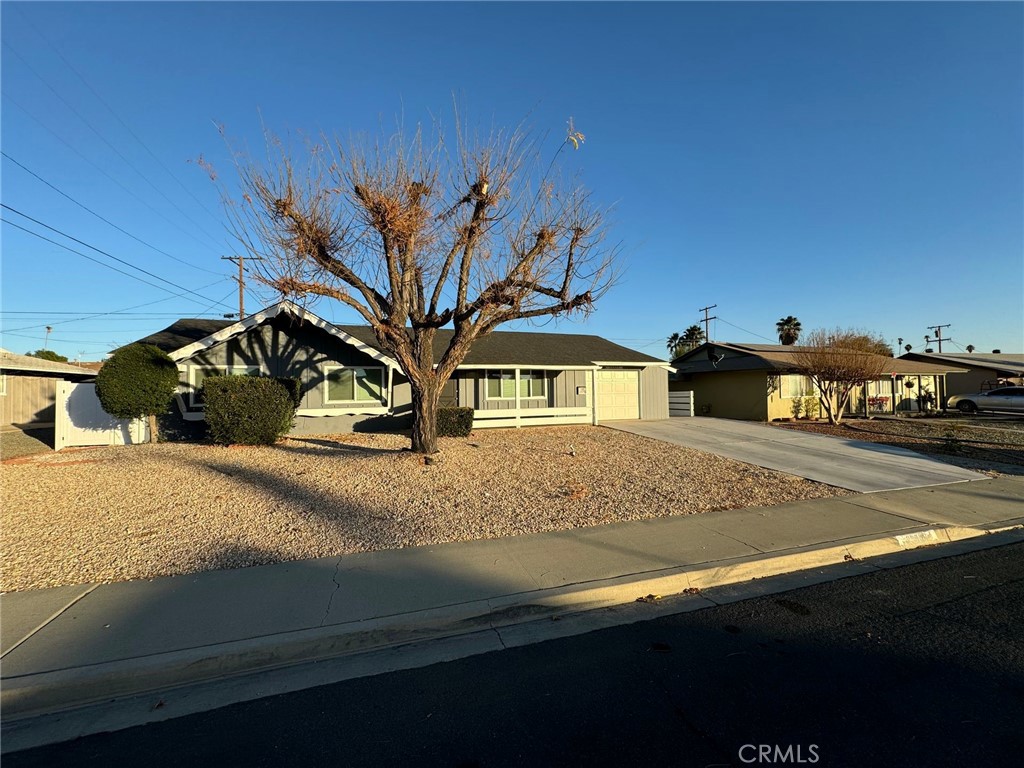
x=50 y=619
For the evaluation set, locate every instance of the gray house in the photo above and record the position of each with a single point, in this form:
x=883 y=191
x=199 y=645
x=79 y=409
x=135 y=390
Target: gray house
x=348 y=383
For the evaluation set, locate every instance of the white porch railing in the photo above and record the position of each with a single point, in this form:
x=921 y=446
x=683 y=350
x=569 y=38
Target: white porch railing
x=531 y=417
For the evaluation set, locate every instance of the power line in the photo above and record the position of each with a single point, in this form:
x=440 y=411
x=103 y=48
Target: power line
x=102 y=138
x=107 y=221
x=131 y=194
x=90 y=258
x=94 y=315
x=99 y=250
x=111 y=110
x=746 y=331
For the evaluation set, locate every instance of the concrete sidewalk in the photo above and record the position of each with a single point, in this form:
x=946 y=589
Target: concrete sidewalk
x=71 y=646
x=856 y=465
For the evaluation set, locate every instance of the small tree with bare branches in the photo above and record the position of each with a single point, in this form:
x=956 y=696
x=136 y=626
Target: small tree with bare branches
x=838 y=361
x=416 y=235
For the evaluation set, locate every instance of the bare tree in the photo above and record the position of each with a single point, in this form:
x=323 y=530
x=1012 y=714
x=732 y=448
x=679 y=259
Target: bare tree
x=415 y=235
x=838 y=361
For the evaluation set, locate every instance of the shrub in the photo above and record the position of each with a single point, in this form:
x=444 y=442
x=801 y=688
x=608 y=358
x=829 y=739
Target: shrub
x=454 y=422
x=138 y=380
x=811 y=407
x=247 y=410
x=797 y=407
x=293 y=387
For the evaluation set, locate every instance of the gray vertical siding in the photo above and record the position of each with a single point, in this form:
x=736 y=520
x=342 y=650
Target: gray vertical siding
x=653 y=393
x=29 y=400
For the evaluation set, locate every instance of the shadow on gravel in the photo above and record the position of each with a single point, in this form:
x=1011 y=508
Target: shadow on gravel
x=306 y=446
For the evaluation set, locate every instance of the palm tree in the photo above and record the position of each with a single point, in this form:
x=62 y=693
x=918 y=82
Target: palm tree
x=788 y=329
x=674 y=342
x=693 y=337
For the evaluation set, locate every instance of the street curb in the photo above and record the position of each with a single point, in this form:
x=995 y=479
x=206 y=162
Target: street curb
x=32 y=696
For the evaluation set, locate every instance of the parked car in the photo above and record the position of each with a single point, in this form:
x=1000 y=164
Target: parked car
x=1002 y=399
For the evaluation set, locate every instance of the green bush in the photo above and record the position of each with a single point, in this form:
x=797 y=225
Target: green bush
x=293 y=386
x=247 y=410
x=138 y=380
x=454 y=422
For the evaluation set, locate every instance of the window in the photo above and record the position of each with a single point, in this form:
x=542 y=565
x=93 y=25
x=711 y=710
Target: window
x=199 y=373
x=532 y=385
x=797 y=386
x=501 y=385
x=355 y=385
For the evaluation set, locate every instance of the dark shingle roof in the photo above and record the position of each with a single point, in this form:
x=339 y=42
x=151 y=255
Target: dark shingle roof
x=777 y=357
x=1001 y=362
x=498 y=348
x=184 y=332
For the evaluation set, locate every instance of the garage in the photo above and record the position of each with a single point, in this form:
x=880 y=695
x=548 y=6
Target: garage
x=618 y=395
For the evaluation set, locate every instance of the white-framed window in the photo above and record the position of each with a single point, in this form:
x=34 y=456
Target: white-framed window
x=501 y=385
x=794 y=385
x=198 y=373
x=347 y=384
x=533 y=385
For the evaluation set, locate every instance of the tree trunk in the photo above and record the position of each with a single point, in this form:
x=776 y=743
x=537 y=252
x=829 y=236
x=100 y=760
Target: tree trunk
x=152 y=428
x=424 y=417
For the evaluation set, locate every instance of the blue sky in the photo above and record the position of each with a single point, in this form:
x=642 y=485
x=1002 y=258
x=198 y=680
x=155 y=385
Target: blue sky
x=853 y=164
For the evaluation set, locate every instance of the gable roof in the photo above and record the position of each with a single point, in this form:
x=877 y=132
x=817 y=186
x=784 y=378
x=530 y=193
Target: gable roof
x=10 y=361
x=781 y=359
x=185 y=337
x=1000 y=362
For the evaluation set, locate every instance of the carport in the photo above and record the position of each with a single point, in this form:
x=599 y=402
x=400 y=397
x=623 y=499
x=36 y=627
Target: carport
x=851 y=464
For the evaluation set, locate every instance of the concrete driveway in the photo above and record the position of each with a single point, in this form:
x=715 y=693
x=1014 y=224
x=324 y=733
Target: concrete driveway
x=851 y=464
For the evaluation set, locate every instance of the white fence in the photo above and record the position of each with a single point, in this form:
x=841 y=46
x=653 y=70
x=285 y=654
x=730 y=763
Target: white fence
x=680 y=403
x=531 y=417
x=81 y=420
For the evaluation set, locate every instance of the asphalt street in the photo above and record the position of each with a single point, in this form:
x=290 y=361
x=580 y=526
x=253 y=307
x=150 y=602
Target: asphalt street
x=917 y=666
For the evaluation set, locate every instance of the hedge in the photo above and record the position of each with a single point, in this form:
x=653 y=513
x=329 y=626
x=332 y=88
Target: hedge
x=454 y=422
x=249 y=410
x=138 y=380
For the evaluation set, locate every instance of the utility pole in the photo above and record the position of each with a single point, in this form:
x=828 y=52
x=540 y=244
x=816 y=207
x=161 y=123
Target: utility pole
x=938 y=334
x=707 y=320
x=241 y=281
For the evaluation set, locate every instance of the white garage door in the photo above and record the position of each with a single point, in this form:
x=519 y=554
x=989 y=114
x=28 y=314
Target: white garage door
x=618 y=395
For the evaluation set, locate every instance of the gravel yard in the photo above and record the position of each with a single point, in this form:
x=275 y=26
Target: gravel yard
x=991 y=445
x=113 y=514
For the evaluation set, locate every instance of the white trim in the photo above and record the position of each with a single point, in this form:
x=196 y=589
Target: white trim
x=269 y=313
x=525 y=367
x=530 y=417
x=343 y=411
x=515 y=383
x=192 y=367
x=327 y=368
x=605 y=363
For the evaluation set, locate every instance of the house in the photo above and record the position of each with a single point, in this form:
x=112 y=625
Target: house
x=759 y=382
x=349 y=383
x=981 y=370
x=28 y=389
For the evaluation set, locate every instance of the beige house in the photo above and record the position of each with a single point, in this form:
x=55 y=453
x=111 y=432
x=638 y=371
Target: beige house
x=28 y=389
x=349 y=383
x=759 y=382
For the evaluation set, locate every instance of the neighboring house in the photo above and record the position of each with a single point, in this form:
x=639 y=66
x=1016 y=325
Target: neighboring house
x=28 y=388
x=348 y=382
x=759 y=382
x=982 y=370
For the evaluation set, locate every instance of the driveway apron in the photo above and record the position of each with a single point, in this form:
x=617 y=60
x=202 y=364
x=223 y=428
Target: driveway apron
x=851 y=464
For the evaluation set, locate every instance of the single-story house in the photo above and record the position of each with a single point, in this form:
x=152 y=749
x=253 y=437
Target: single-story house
x=348 y=382
x=28 y=389
x=759 y=382
x=982 y=370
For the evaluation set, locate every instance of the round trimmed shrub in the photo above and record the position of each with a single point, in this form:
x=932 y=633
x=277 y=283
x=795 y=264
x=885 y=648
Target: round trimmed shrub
x=454 y=422
x=247 y=410
x=138 y=380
